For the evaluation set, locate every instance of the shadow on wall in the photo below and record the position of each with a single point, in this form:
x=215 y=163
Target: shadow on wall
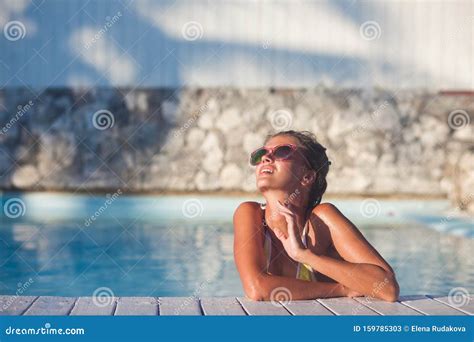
x=173 y=44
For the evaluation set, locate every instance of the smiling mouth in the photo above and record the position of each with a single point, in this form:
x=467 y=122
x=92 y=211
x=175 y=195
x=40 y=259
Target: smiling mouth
x=266 y=171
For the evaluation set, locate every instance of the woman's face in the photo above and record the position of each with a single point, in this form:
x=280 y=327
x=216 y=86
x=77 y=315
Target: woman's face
x=285 y=174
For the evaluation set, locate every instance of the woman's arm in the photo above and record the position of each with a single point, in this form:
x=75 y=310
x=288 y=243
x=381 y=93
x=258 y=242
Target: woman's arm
x=365 y=278
x=363 y=268
x=250 y=261
x=271 y=287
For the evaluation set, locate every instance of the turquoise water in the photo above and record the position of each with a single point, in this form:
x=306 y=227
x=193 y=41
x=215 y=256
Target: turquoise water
x=182 y=246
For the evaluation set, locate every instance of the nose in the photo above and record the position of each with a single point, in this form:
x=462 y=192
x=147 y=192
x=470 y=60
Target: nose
x=268 y=158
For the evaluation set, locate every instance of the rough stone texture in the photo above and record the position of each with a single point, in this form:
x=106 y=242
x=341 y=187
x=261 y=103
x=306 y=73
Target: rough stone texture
x=380 y=142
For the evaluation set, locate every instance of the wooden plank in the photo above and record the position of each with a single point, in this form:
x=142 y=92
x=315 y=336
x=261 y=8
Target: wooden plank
x=408 y=305
x=346 y=306
x=136 y=306
x=221 y=306
x=307 y=308
x=386 y=308
x=88 y=306
x=179 y=306
x=429 y=306
x=15 y=305
x=51 y=306
x=466 y=304
x=262 y=308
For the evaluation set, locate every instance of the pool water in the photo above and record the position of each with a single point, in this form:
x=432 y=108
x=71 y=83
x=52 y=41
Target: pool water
x=182 y=246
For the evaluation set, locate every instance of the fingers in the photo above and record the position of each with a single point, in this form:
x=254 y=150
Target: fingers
x=284 y=208
x=290 y=220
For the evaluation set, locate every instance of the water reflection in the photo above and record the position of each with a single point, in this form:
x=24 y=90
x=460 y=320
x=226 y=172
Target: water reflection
x=143 y=259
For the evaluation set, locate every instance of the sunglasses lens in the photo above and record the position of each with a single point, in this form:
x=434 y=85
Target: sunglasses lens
x=257 y=156
x=283 y=152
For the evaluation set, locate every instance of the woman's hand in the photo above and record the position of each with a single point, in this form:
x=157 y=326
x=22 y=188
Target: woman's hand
x=291 y=241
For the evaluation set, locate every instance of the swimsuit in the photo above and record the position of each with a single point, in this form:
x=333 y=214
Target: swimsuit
x=304 y=271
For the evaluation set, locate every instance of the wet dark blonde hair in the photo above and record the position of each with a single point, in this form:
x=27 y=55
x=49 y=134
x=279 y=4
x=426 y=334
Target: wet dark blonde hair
x=315 y=153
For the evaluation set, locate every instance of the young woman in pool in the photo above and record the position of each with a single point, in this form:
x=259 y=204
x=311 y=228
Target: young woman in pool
x=296 y=243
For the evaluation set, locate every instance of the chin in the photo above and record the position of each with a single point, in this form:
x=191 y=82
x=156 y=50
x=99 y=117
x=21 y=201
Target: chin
x=265 y=184
x=261 y=187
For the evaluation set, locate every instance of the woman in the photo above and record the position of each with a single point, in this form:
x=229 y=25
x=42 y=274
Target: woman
x=295 y=242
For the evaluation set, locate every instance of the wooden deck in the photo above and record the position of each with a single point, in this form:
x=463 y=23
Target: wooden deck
x=119 y=306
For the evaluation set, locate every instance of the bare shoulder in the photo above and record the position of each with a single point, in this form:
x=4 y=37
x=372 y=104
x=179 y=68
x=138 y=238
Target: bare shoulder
x=326 y=210
x=247 y=222
x=334 y=219
x=248 y=206
x=247 y=210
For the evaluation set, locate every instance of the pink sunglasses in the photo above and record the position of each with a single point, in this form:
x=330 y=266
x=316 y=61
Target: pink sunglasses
x=280 y=152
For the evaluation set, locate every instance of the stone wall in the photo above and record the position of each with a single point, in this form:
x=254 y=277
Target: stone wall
x=380 y=142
